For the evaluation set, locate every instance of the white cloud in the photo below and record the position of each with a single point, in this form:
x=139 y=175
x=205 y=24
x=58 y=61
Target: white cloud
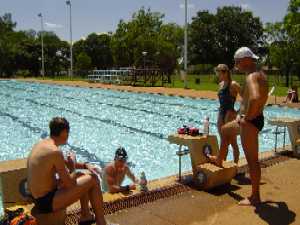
x=190 y=6
x=53 y=25
x=245 y=6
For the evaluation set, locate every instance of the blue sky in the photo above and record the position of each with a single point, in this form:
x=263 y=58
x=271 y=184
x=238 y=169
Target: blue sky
x=102 y=15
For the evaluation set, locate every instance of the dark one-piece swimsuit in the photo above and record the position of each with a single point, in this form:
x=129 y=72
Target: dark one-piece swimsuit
x=226 y=101
x=44 y=204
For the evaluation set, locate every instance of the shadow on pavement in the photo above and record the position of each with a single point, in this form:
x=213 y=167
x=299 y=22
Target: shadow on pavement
x=275 y=213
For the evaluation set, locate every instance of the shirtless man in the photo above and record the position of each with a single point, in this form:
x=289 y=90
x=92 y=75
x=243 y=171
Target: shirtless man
x=115 y=172
x=50 y=194
x=250 y=120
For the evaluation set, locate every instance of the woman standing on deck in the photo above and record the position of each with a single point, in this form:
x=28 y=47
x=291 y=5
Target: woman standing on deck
x=228 y=91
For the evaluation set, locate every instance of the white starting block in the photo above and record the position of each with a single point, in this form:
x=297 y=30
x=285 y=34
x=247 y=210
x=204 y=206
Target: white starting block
x=293 y=126
x=205 y=174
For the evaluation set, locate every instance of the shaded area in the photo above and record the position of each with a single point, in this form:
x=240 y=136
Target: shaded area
x=275 y=213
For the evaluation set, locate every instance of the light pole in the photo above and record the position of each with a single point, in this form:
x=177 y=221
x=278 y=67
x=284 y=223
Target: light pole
x=68 y=2
x=42 y=42
x=185 y=42
x=144 y=54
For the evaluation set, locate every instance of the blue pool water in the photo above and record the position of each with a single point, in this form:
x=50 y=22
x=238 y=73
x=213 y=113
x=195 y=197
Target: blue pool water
x=101 y=120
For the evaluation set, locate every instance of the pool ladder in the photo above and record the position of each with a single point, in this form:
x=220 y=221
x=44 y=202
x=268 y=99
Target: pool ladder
x=181 y=153
x=277 y=131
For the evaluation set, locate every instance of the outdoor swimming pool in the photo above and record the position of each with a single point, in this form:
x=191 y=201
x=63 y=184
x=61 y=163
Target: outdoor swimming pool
x=101 y=120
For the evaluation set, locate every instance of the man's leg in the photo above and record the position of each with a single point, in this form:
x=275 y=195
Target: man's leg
x=85 y=209
x=96 y=199
x=85 y=184
x=84 y=201
x=250 y=146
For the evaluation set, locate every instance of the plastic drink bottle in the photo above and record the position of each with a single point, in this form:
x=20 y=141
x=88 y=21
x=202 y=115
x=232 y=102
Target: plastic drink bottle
x=206 y=126
x=143 y=182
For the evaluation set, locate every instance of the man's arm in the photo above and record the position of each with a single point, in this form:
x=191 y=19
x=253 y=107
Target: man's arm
x=60 y=167
x=131 y=175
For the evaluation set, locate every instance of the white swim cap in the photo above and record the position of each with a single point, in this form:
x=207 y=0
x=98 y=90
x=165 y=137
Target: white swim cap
x=244 y=52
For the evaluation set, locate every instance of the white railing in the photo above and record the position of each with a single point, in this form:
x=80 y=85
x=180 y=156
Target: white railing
x=108 y=76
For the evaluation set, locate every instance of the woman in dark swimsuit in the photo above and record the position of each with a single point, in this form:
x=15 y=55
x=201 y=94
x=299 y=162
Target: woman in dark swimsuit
x=227 y=94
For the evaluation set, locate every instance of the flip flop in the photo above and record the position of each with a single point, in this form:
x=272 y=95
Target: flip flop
x=248 y=202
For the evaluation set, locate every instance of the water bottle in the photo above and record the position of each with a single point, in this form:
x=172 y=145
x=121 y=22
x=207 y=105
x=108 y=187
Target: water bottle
x=206 y=126
x=143 y=182
x=71 y=158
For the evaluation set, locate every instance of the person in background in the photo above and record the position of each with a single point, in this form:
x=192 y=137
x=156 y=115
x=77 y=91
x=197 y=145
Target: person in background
x=228 y=91
x=114 y=174
x=292 y=95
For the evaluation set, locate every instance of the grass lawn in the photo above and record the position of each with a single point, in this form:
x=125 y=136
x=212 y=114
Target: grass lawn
x=206 y=82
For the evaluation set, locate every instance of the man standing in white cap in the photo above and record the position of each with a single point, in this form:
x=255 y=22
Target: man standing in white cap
x=249 y=121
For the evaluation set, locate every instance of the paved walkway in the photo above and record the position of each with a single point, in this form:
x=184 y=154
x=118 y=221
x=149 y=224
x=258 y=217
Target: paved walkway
x=280 y=187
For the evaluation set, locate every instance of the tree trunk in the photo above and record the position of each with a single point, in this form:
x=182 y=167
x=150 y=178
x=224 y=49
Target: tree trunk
x=287 y=76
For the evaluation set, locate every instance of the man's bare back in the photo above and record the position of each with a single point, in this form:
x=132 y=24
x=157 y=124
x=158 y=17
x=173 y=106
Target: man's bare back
x=41 y=168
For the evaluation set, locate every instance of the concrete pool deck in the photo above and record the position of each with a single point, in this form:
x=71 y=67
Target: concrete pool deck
x=280 y=188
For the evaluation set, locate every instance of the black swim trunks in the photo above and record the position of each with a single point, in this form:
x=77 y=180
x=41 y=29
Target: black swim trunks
x=44 y=204
x=258 y=122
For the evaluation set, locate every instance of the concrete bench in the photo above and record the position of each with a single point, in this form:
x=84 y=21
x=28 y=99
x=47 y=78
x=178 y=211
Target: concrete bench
x=13 y=177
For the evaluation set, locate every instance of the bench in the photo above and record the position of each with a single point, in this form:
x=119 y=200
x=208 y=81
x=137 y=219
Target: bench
x=13 y=176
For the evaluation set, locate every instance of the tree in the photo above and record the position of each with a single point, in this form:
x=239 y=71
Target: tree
x=292 y=26
x=83 y=62
x=215 y=37
x=6 y=46
x=97 y=47
x=147 y=33
x=280 y=48
x=56 y=53
x=283 y=41
x=28 y=52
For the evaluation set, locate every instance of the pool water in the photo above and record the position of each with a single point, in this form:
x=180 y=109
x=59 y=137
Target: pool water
x=102 y=120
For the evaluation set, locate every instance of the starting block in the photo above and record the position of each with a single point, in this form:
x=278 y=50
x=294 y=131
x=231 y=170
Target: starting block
x=205 y=174
x=293 y=126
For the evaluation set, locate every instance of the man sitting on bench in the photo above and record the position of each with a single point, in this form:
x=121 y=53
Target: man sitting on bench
x=50 y=194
